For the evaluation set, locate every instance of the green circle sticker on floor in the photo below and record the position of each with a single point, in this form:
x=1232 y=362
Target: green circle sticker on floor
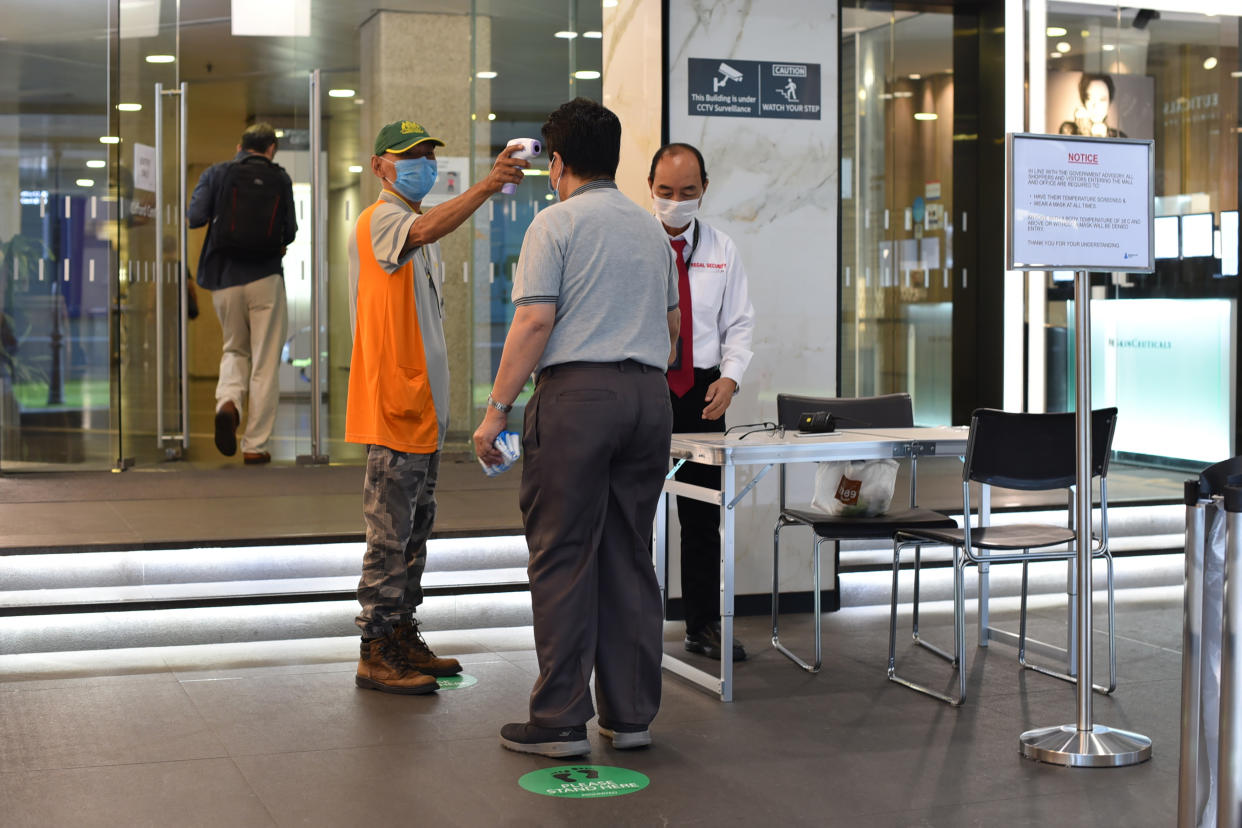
x=457 y=682
x=584 y=781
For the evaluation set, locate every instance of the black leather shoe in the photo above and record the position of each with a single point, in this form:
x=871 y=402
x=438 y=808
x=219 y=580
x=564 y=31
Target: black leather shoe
x=556 y=742
x=707 y=642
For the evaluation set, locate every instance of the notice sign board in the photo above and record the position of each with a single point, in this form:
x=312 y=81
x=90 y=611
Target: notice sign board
x=1080 y=203
x=753 y=88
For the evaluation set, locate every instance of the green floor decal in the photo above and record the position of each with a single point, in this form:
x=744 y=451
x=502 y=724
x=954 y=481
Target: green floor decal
x=583 y=781
x=457 y=682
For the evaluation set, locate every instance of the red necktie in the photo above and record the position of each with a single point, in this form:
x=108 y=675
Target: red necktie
x=681 y=380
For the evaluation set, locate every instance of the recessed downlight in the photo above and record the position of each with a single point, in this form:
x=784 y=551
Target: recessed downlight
x=586 y=74
x=340 y=93
x=488 y=75
x=96 y=164
x=161 y=59
x=129 y=107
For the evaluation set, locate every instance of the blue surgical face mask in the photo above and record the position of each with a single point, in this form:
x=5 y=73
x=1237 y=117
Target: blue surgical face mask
x=415 y=177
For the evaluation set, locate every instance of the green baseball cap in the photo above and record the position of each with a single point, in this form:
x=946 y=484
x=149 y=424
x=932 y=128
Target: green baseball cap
x=399 y=136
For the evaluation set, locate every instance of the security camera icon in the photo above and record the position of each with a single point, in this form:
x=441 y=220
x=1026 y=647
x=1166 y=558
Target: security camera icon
x=729 y=73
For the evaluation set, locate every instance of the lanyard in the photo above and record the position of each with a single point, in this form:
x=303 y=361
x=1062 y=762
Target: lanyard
x=694 y=245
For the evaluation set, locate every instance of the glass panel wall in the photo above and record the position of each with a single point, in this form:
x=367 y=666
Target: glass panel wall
x=91 y=348
x=897 y=216
x=58 y=236
x=1163 y=344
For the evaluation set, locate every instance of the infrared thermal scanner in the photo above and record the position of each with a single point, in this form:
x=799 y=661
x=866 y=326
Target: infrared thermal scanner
x=530 y=148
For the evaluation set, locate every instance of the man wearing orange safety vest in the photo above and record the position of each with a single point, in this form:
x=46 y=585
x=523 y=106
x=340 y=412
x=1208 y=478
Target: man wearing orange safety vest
x=399 y=394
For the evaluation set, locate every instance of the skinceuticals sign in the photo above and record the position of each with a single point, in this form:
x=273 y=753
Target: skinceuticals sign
x=753 y=89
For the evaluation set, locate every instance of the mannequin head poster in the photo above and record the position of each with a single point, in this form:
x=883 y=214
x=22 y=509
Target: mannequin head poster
x=1101 y=105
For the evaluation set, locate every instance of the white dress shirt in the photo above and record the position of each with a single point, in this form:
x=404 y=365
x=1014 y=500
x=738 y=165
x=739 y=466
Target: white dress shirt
x=723 y=315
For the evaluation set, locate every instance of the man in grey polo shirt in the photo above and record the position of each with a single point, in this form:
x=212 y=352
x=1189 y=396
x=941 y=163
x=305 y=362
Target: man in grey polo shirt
x=596 y=315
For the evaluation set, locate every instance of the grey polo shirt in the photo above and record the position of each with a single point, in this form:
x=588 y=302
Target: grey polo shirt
x=611 y=273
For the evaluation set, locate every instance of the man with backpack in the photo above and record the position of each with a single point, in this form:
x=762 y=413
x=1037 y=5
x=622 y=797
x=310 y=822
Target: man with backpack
x=247 y=204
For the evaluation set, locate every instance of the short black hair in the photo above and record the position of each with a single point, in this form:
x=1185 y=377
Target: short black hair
x=679 y=147
x=258 y=137
x=587 y=135
x=1087 y=79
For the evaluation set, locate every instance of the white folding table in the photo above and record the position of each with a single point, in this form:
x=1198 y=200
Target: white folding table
x=768 y=449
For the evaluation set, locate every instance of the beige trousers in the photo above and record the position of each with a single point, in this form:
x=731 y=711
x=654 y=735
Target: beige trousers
x=255 y=322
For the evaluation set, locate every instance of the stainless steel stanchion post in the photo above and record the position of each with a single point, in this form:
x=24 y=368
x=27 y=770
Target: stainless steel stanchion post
x=1188 y=785
x=1084 y=744
x=1229 y=763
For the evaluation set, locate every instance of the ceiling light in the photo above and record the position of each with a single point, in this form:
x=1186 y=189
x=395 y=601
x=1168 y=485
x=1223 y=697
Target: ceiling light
x=85 y=182
x=161 y=59
x=1235 y=74
x=915 y=76
x=1108 y=47
x=586 y=74
x=1063 y=47
x=1056 y=31
x=486 y=75
x=593 y=35
x=1085 y=33
x=355 y=168
x=610 y=4
x=903 y=94
x=280 y=133
x=925 y=116
x=109 y=139
x=1057 y=55
x=567 y=35
x=1210 y=64
x=862 y=94
x=129 y=107
x=491 y=116
x=547 y=196
x=340 y=93
x=95 y=164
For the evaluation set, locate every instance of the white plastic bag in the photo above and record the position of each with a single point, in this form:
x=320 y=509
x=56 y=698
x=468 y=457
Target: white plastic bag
x=854 y=488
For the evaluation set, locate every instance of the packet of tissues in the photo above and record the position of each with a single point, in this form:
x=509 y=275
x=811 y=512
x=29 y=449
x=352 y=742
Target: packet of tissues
x=509 y=444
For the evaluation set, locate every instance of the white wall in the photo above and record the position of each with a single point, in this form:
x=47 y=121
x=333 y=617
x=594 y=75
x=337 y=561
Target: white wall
x=774 y=190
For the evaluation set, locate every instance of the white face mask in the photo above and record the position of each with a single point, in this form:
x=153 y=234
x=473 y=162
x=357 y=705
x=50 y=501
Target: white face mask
x=676 y=213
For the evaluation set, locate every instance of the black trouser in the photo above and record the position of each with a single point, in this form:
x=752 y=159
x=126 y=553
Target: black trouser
x=596 y=442
x=700 y=522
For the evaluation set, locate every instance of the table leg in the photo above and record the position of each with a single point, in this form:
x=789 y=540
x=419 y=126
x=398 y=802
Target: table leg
x=728 y=484
x=660 y=543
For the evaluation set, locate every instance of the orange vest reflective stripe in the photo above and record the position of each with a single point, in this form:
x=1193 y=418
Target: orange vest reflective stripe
x=390 y=401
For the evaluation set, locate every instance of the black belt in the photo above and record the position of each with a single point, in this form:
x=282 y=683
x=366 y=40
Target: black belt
x=623 y=366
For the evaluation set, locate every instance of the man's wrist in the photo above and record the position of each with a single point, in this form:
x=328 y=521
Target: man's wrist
x=497 y=406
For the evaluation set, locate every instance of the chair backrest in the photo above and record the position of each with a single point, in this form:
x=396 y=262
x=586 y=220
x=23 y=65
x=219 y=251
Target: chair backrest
x=1033 y=451
x=887 y=411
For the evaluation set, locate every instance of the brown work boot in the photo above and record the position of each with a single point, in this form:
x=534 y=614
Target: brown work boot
x=382 y=666
x=419 y=655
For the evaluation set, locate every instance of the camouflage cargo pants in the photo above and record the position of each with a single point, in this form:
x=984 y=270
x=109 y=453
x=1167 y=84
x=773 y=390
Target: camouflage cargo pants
x=399 y=507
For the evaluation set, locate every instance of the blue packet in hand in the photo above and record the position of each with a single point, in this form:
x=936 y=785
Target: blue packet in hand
x=509 y=444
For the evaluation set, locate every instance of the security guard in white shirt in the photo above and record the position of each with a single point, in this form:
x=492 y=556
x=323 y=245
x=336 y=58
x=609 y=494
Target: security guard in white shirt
x=712 y=355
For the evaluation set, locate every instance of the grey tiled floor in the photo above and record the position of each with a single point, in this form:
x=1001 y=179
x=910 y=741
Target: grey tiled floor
x=276 y=734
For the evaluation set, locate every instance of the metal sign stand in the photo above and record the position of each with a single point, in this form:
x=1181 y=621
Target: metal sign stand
x=1084 y=743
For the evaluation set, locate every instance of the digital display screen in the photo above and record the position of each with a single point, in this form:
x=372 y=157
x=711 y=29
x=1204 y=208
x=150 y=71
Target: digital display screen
x=1197 y=235
x=1229 y=243
x=1168 y=243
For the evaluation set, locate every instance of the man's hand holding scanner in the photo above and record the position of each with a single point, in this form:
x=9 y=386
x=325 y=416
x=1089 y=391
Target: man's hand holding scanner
x=444 y=218
x=528 y=336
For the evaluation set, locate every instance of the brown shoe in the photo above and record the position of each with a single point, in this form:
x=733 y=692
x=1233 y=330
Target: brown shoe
x=255 y=458
x=382 y=666
x=419 y=655
x=227 y=420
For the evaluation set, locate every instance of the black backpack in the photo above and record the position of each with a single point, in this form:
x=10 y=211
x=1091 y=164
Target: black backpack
x=250 y=209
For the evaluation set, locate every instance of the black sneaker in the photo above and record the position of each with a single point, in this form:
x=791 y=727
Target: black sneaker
x=555 y=742
x=626 y=736
x=707 y=642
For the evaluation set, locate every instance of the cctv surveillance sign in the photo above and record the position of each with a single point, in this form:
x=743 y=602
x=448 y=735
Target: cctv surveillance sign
x=753 y=89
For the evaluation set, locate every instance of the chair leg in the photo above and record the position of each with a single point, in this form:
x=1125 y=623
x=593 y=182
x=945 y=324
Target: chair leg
x=1112 y=639
x=776 y=639
x=959 y=624
x=959 y=630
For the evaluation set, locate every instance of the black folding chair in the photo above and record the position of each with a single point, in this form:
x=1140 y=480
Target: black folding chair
x=888 y=411
x=1029 y=452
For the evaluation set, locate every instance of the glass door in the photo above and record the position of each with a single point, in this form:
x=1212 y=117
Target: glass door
x=897 y=197
x=59 y=241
